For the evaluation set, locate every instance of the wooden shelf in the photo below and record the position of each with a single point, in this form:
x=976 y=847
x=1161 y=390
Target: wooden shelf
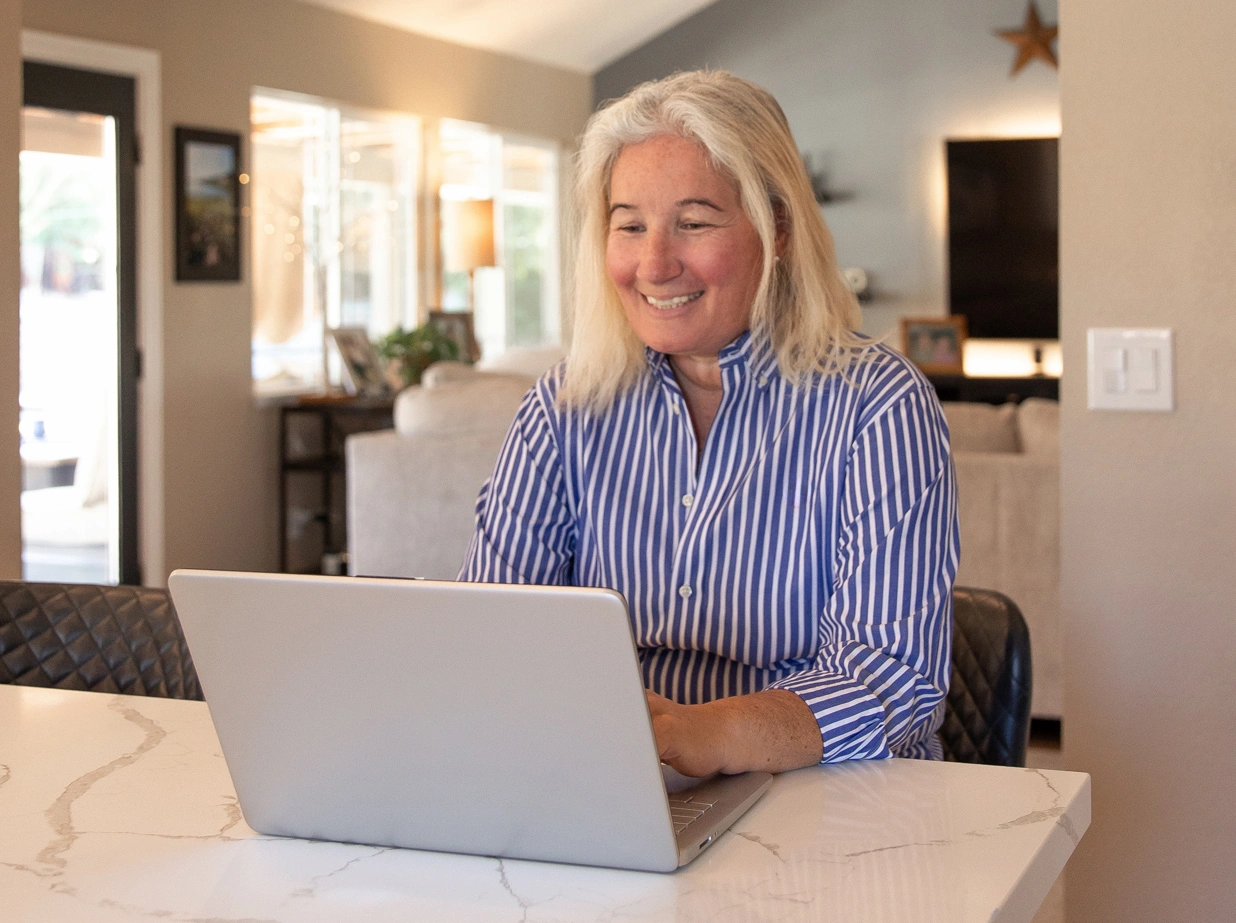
x=994 y=390
x=331 y=419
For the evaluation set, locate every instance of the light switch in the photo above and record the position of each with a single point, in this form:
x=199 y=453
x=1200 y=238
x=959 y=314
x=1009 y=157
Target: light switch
x=1129 y=369
x=1115 y=371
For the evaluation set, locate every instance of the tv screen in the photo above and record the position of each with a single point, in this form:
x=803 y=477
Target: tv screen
x=1004 y=235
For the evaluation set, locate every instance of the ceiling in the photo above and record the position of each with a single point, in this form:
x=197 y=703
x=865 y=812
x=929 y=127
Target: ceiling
x=580 y=35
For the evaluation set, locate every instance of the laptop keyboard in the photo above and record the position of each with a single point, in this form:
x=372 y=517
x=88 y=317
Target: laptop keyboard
x=684 y=809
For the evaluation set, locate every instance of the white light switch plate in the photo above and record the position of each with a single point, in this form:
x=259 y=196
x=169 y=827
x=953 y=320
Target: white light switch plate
x=1129 y=369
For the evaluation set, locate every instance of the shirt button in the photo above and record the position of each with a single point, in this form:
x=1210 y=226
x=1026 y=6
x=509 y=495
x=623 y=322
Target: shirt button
x=763 y=380
x=674 y=407
x=684 y=591
x=687 y=499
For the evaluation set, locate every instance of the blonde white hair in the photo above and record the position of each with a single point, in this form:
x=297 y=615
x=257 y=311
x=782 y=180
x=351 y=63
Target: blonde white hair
x=802 y=308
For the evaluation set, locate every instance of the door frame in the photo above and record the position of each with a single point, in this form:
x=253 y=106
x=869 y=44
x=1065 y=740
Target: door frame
x=144 y=66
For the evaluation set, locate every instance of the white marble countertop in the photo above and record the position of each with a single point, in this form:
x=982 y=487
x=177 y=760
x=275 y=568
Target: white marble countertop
x=119 y=808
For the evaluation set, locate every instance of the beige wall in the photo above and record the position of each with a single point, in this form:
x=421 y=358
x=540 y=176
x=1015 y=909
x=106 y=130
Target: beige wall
x=10 y=466
x=220 y=455
x=1148 y=91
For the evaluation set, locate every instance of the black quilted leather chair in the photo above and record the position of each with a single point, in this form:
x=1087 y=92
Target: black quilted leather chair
x=124 y=639
x=987 y=716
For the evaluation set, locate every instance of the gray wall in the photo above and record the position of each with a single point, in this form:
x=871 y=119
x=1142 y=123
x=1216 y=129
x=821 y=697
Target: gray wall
x=1148 y=501
x=872 y=88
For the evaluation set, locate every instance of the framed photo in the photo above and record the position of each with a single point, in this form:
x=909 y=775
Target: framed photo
x=935 y=344
x=207 y=206
x=363 y=370
x=456 y=326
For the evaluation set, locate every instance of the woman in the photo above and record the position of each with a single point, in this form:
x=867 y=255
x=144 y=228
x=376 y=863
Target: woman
x=771 y=493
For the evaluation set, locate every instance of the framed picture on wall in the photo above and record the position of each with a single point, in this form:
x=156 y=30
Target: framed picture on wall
x=207 y=206
x=935 y=344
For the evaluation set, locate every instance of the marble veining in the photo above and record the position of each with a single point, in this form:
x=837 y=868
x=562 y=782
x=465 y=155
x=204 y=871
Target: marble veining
x=234 y=817
x=60 y=814
x=524 y=904
x=115 y=809
x=771 y=847
x=868 y=852
x=317 y=881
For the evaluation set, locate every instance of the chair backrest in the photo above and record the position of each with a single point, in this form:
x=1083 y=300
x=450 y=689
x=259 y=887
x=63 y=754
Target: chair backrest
x=987 y=715
x=123 y=639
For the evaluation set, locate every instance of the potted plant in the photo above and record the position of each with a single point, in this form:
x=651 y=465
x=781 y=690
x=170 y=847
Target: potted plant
x=410 y=352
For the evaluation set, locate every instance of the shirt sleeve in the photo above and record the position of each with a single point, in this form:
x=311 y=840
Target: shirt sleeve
x=883 y=669
x=525 y=528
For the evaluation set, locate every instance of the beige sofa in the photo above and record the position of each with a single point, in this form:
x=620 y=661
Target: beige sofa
x=1008 y=473
x=412 y=492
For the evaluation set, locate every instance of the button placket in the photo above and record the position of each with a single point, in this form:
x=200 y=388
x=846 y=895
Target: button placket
x=678 y=420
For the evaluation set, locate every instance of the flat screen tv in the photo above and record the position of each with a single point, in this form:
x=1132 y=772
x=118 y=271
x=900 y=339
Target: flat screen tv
x=1004 y=236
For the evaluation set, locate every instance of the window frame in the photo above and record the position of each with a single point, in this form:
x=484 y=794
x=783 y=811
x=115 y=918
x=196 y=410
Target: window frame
x=551 y=308
x=411 y=311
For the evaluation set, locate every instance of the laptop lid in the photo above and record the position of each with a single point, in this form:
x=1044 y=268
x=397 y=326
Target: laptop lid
x=475 y=718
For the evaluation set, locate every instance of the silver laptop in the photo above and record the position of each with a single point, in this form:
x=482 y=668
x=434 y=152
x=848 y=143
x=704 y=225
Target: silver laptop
x=474 y=718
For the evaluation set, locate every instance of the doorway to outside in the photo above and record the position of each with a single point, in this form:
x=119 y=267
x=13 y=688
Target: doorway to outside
x=78 y=337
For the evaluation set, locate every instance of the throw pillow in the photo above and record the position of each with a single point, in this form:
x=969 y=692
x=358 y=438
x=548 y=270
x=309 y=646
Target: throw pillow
x=982 y=427
x=1038 y=424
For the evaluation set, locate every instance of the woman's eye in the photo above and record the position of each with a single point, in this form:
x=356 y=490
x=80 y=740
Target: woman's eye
x=629 y=228
x=693 y=225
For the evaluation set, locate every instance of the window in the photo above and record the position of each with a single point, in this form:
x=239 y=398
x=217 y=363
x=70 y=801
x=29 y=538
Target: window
x=333 y=211
x=516 y=302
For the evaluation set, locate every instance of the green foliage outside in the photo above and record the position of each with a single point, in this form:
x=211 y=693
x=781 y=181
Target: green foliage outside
x=61 y=202
x=526 y=262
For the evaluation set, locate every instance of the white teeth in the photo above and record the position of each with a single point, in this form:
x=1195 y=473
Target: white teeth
x=671 y=302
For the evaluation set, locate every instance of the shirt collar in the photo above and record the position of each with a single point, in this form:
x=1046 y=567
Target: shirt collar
x=745 y=357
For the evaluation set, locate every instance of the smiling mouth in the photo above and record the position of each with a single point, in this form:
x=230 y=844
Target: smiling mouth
x=664 y=304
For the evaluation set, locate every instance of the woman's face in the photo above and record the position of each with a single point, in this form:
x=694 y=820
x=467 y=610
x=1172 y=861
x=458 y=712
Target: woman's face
x=683 y=254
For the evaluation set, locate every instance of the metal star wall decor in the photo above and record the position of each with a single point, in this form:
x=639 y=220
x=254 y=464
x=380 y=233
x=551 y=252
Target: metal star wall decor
x=1033 y=40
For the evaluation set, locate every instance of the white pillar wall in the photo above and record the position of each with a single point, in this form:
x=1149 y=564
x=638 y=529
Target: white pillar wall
x=1148 y=500
x=10 y=286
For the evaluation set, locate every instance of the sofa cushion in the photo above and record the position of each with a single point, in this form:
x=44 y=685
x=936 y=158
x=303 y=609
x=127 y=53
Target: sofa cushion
x=982 y=427
x=533 y=362
x=1008 y=510
x=446 y=371
x=1038 y=425
x=480 y=403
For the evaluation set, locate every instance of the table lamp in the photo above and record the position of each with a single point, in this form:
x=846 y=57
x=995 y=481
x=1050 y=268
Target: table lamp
x=468 y=239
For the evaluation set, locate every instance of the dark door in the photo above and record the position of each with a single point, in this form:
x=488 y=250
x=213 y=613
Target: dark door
x=79 y=357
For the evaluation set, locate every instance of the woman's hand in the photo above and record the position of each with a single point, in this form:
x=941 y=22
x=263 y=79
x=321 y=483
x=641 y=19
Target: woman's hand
x=772 y=731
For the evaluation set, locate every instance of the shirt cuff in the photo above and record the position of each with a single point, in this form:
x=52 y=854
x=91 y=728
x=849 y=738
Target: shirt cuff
x=850 y=717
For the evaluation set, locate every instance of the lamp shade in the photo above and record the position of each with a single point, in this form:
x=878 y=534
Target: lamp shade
x=467 y=234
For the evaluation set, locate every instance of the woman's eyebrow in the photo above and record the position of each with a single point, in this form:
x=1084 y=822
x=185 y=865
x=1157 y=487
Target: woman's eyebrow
x=681 y=203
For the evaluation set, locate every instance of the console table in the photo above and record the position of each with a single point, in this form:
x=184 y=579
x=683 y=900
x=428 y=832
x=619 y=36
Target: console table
x=981 y=390
x=312 y=431
x=120 y=808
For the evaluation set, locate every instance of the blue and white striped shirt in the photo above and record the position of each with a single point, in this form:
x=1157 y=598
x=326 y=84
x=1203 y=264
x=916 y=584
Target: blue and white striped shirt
x=812 y=547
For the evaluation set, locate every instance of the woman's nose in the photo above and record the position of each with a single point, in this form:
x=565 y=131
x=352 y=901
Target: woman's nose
x=658 y=261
